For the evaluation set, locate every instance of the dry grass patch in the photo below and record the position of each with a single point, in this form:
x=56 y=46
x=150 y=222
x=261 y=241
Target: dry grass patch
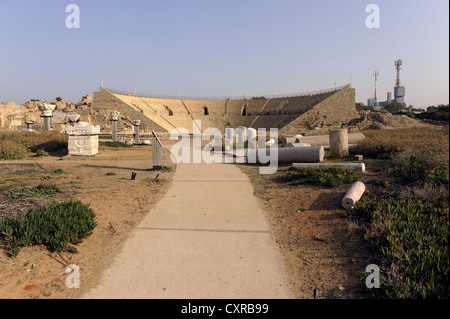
x=16 y=145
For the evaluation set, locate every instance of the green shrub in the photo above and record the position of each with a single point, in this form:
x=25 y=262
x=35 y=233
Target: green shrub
x=412 y=166
x=41 y=153
x=111 y=174
x=60 y=171
x=115 y=144
x=166 y=168
x=380 y=150
x=33 y=191
x=439 y=113
x=50 y=146
x=55 y=226
x=331 y=176
x=376 y=126
x=412 y=236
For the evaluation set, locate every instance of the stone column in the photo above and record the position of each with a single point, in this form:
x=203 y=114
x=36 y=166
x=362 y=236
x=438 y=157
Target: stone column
x=137 y=140
x=47 y=114
x=338 y=143
x=261 y=138
x=28 y=123
x=240 y=132
x=353 y=195
x=251 y=137
x=114 y=118
x=157 y=152
x=313 y=154
x=229 y=135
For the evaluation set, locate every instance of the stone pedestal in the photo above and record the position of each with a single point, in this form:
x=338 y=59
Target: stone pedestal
x=84 y=145
x=83 y=139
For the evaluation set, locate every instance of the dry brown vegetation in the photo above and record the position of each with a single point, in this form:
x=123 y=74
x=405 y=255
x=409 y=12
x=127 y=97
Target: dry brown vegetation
x=118 y=202
x=17 y=145
x=405 y=215
x=419 y=154
x=401 y=223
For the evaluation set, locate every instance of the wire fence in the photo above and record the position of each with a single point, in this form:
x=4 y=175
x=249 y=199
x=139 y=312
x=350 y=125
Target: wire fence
x=243 y=97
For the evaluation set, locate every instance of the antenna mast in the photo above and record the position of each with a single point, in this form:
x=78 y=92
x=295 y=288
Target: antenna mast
x=375 y=75
x=398 y=66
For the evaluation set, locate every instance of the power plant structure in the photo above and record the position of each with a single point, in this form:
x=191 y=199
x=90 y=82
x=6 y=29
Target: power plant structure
x=399 y=89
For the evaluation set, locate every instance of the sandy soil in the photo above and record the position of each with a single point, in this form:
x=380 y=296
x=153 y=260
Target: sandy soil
x=320 y=249
x=119 y=204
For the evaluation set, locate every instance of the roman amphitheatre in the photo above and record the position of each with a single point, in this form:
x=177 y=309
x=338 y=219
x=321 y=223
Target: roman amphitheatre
x=290 y=114
x=215 y=230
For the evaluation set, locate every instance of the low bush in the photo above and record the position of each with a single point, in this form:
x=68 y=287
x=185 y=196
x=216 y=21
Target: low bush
x=33 y=191
x=10 y=150
x=115 y=144
x=378 y=149
x=16 y=145
x=41 y=153
x=165 y=168
x=439 y=113
x=416 y=166
x=331 y=176
x=57 y=226
x=412 y=236
x=376 y=126
x=60 y=171
x=419 y=154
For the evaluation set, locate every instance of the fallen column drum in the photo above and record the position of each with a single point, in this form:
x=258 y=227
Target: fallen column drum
x=288 y=155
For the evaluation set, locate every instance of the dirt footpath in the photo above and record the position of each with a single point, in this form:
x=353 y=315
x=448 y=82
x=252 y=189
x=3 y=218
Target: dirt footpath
x=207 y=238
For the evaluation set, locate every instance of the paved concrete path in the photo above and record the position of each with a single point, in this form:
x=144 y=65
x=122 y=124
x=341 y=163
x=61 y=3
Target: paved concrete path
x=206 y=238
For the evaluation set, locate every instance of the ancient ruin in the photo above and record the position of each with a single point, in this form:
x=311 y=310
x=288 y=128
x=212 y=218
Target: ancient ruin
x=83 y=138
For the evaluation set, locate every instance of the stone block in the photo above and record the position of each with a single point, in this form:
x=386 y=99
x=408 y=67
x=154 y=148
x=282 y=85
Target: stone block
x=83 y=128
x=83 y=145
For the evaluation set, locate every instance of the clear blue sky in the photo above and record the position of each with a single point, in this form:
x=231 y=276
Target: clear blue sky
x=222 y=48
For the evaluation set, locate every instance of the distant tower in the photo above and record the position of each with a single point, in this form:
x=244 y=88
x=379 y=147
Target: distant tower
x=373 y=101
x=375 y=75
x=398 y=67
x=399 y=89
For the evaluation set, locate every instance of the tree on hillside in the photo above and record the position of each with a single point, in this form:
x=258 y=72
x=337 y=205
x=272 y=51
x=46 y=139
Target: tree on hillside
x=396 y=107
x=437 y=113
